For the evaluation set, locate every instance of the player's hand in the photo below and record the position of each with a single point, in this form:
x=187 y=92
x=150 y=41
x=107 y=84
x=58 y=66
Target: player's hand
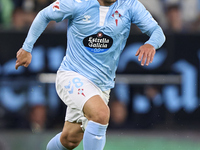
x=23 y=58
x=146 y=54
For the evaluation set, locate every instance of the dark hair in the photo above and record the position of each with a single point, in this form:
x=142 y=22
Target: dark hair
x=172 y=7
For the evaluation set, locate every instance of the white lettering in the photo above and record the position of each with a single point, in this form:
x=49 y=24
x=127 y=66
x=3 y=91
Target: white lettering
x=98 y=43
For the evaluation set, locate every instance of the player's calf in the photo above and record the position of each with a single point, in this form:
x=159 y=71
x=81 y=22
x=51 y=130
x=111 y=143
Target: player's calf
x=55 y=144
x=72 y=135
x=70 y=143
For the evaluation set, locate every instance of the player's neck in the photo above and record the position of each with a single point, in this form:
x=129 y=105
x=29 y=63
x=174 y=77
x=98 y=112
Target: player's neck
x=106 y=2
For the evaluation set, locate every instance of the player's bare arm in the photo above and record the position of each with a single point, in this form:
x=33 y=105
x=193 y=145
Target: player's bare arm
x=23 y=58
x=146 y=53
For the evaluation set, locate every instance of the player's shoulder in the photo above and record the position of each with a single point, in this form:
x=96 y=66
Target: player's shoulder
x=77 y=6
x=74 y=2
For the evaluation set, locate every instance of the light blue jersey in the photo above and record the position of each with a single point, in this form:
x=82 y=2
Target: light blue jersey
x=93 y=50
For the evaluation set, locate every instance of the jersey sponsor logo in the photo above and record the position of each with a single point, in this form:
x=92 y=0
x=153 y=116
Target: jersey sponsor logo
x=56 y=5
x=98 y=43
x=116 y=15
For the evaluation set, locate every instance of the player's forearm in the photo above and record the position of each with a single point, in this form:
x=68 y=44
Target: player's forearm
x=38 y=26
x=157 y=37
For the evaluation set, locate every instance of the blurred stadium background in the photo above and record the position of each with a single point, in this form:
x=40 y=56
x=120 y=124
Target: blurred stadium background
x=152 y=108
x=117 y=140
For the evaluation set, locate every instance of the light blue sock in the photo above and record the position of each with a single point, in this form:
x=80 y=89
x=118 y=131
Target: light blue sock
x=94 y=136
x=55 y=144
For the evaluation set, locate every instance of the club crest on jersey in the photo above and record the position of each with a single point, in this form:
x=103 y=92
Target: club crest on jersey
x=98 y=43
x=80 y=91
x=56 y=5
x=116 y=15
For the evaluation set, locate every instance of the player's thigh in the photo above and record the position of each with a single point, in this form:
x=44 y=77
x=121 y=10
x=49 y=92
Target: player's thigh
x=75 y=89
x=97 y=110
x=72 y=134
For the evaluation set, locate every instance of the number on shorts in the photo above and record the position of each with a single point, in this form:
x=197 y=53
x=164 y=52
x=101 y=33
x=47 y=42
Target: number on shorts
x=77 y=82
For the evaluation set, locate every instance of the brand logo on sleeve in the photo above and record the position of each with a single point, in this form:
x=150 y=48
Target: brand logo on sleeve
x=98 y=43
x=56 y=5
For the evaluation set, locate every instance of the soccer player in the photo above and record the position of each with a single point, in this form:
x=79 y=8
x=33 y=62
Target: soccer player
x=96 y=35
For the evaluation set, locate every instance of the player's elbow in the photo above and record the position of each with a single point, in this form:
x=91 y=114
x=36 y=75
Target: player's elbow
x=161 y=38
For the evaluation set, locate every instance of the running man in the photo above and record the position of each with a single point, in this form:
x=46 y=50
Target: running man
x=96 y=35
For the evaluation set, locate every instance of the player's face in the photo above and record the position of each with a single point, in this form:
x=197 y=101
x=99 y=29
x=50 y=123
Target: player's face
x=106 y=2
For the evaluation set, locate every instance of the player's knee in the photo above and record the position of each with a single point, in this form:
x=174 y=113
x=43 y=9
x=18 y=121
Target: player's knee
x=101 y=116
